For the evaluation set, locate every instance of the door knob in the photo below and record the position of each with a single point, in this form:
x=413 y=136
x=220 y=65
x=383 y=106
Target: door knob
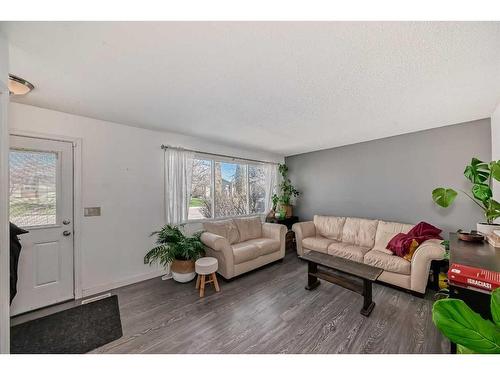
x=66 y=233
x=66 y=221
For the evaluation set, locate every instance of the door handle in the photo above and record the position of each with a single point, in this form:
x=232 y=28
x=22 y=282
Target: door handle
x=66 y=233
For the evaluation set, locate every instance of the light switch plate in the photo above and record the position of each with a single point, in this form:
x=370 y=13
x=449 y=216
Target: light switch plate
x=92 y=211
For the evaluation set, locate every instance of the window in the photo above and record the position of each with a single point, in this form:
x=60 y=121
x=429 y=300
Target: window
x=221 y=189
x=200 y=205
x=257 y=185
x=32 y=188
x=231 y=197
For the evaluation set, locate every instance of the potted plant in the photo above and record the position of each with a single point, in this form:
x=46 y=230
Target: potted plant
x=467 y=329
x=179 y=250
x=480 y=174
x=272 y=214
x=287 y=191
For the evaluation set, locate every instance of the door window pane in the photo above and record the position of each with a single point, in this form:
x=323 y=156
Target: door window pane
x=200 y=206
x=257 y=185
x=231 y=197
x=32 y=188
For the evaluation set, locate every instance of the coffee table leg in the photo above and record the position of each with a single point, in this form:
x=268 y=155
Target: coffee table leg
x=368 y=304
x=312 y=281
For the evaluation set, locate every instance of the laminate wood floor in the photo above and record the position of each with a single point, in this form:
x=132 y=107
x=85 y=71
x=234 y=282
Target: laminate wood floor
x=269 y=311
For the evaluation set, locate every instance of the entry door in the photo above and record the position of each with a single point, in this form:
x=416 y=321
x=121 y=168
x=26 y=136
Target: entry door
x=41 y=201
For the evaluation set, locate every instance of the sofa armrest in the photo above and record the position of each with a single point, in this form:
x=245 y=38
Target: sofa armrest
x=303 y=230
x=275 y=232
x=219 y=247
x=421 y=262
x=214 y=241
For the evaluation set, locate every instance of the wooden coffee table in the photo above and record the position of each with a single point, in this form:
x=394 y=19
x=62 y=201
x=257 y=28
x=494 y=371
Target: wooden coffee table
x=366 y=273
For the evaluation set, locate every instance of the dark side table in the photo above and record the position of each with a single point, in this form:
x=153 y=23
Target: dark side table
x=474 y=254
x=290 y=235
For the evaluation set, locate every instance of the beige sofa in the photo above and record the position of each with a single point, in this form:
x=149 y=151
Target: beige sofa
x=365 y=241
x=243 y=244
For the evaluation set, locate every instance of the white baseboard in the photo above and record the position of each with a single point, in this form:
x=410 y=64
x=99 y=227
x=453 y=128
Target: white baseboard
x=118 y=284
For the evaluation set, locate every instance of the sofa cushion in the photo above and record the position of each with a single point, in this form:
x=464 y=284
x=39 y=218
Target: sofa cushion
x=265 y=245
x=391 y=263
x=359 y=232
x=249 y=228
x=329 y=226
x=386 y=231
x=224 y=228
x=348 y=251
x=317 y=243
x=245 y=251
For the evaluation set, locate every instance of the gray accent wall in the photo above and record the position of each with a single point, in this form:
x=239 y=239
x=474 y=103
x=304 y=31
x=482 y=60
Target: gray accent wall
x=392 y=178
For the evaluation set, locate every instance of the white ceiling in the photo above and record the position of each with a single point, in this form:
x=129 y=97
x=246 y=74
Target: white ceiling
x=286 y=87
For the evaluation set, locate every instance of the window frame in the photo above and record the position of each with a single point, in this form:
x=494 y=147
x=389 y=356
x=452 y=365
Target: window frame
x=214 y=159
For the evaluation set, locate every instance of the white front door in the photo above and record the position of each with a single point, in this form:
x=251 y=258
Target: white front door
x=41 y=201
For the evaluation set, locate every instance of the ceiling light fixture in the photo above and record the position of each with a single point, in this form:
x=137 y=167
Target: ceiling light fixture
x=19 y=86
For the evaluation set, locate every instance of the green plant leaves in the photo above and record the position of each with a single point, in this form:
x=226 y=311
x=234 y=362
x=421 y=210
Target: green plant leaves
x=463 y=326
x=286 y=188
x=482 y=192
x=492 y=210
x=495 y=169
x=173 y=244
x=443 y=197
x=495 y=306
x=477 y=172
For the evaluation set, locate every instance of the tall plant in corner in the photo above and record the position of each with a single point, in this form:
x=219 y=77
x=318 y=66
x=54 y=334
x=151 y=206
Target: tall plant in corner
x=287 y=191
x=481 y=175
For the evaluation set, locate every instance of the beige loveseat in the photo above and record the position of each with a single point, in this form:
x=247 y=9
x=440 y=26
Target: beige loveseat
x=243 y=244
x=365 y=241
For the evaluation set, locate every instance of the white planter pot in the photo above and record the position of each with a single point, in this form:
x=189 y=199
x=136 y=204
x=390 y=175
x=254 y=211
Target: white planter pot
x=183 y=277
x=487 y=229
x=182 y=270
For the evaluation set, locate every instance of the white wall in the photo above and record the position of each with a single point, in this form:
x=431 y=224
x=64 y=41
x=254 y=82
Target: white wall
x=4 y=231
x=495 y=147
x=123 y=174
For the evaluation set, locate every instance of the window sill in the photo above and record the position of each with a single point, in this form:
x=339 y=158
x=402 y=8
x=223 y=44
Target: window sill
x=200 y=221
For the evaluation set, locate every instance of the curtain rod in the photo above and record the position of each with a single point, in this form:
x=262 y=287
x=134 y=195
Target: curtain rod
x=165 y=147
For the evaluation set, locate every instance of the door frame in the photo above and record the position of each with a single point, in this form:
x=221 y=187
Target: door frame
x=77 y=199
x=4 y=221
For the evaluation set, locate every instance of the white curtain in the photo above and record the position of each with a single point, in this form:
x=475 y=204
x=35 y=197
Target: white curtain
x=271 y=184
x=178 y=173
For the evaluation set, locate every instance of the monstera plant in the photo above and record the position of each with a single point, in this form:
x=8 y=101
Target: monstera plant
x=481 y=175
x=466 y=328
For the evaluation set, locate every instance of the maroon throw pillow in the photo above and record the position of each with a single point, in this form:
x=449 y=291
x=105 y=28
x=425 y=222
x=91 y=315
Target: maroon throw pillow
x=400 y=243
x=397 y=244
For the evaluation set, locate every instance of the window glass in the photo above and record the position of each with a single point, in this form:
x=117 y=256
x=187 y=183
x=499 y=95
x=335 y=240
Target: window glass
x=231 y=196
x=32 y=188
x=200 y=206
x=257 y=181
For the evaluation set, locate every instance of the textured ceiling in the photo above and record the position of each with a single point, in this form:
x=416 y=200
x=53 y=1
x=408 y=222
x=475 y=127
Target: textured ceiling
x=287 y=87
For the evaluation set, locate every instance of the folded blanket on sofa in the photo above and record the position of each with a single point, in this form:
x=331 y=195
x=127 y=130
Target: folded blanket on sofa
x=400 y=243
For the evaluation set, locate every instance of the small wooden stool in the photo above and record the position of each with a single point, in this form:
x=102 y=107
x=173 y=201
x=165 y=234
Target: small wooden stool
x=204 y=267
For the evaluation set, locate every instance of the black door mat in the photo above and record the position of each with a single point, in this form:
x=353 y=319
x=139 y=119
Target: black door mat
x=75 y=330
